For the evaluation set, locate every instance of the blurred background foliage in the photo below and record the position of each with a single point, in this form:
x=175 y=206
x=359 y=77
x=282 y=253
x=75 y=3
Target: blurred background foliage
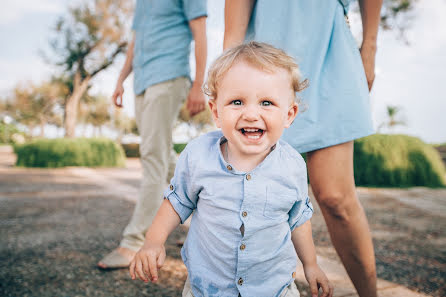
x=89 y=38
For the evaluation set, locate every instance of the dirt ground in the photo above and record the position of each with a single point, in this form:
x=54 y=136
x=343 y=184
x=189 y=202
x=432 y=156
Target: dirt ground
x=56 y=224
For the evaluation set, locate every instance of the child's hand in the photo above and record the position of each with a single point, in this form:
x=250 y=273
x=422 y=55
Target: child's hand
x=147 y=261
x=316 y=279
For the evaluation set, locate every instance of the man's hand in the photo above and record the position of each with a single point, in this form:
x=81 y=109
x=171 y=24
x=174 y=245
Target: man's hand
x=195 y=100
x=316 y=279
x=117 y=95
x=147 y=261
x=368 y=52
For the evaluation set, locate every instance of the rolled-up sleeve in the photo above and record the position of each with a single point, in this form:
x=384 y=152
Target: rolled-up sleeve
x=180 y=192
x=301 y=212
x=302 y=209
x=194 y=8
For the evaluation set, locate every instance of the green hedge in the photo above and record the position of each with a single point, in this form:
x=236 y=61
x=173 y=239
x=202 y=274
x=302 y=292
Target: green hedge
x=441 y=148
x=132 y=149
x=91 y=152
x=397 y=161
x=179 y=147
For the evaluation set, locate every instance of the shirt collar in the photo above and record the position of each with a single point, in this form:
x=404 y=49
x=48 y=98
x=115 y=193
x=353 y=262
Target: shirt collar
x=229 y=167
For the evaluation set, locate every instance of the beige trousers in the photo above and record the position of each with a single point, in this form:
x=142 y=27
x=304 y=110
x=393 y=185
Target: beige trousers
x=290 y=291
x=156 y=111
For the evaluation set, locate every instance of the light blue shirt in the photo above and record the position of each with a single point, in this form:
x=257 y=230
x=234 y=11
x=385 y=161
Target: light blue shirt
x=316 y=35
x=270 y=201
x=162 y=40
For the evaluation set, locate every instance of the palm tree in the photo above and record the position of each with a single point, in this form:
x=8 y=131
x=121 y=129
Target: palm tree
x=392 y=113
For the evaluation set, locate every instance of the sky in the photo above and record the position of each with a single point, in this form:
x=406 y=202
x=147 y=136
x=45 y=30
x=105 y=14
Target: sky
x=410 y=76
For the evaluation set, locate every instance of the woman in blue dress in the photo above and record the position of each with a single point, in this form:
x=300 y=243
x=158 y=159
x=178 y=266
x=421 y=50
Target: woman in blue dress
x=317 y=35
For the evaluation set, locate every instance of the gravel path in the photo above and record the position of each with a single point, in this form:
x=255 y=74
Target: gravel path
x=55 y=225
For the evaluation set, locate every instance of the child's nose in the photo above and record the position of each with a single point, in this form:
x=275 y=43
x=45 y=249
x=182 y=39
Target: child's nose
x=251 y=112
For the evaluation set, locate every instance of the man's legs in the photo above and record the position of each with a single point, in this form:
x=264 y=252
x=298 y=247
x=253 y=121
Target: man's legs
x=156 y=112
x=331 y=177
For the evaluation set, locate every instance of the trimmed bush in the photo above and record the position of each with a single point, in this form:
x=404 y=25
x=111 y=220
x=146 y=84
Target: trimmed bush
x=90 y=152
x=397 y=161
x=179 y=147
x=441 y=148
x=132 y=149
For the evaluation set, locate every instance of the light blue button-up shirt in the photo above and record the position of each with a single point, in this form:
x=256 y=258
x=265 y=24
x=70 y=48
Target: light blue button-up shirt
x=269 y=201
x=162 y=40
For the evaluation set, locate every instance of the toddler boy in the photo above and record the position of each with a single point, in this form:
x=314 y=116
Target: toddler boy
x=247 y=188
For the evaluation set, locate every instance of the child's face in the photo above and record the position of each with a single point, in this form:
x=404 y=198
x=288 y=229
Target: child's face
x=253 y=108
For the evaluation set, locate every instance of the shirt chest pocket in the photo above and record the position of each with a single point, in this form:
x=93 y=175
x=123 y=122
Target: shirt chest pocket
x=278 y=202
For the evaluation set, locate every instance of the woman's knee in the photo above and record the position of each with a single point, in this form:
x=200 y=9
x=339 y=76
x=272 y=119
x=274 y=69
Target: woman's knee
x=338 y=204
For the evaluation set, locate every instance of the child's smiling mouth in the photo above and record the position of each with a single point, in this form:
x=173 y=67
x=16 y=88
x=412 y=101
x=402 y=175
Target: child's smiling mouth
x=252 y=133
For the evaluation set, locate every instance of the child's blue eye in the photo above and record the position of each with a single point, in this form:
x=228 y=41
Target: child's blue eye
x=266 y=103
x=236 y=102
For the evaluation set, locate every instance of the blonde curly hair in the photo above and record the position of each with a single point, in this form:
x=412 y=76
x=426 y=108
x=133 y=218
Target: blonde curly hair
x=258 y=54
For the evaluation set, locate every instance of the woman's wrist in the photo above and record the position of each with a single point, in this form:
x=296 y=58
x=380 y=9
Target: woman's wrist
x=370 y=44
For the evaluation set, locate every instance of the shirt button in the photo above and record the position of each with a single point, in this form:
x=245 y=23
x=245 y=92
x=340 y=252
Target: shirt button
x=244 y=214
x=229 y=167
x=248 y=176
x=240 y=281
x=171 y=187
x=242 y=247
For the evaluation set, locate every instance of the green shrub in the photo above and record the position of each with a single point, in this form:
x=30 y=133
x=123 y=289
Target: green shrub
x=397 y=161
x=179 y=147
x=441 y=148
x=91 y=152
x=132 y=149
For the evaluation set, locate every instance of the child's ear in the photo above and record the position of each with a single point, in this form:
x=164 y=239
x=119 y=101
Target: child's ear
x=213 y=106
x=291 y=115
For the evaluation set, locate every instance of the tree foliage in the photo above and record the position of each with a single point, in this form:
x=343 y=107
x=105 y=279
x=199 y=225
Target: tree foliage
x=123 y=124
x=395 y=13
x=94 y=110
x=36 y=105
x=200 y=123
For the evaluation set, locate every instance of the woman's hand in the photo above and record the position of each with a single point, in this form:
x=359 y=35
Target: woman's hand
x=368 y=52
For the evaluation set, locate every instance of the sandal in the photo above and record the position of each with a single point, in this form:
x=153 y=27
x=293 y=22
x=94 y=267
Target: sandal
x=114 y=260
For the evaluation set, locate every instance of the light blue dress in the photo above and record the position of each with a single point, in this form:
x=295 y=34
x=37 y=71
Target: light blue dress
x=316 y=34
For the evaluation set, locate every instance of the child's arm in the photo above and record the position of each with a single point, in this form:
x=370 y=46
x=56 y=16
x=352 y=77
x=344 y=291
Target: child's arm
x=303 y=243
x=151 y=256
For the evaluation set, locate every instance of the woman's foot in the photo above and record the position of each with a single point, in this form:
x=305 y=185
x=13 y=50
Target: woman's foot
x=117 y=259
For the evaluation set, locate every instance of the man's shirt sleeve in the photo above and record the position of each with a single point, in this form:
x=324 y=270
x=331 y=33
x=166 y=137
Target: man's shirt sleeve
x=194 y=8
x=180 y=192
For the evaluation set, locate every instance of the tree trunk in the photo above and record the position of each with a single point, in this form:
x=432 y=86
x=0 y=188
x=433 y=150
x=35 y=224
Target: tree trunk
x=42 y=129
x=71 y=107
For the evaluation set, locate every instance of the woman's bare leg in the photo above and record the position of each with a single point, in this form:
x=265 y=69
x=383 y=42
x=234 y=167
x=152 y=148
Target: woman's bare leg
x=331 y=177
